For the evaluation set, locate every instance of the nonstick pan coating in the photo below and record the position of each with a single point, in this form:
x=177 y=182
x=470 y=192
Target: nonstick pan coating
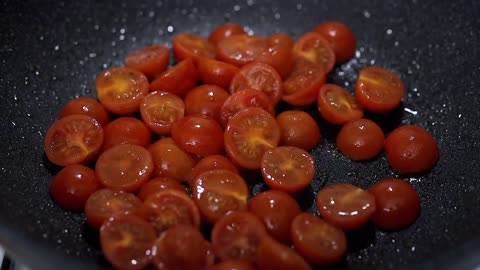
x=51 y=52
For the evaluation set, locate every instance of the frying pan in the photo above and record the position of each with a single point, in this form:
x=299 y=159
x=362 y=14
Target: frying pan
x=51 y=52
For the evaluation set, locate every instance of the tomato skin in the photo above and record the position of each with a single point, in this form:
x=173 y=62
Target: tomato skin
x=86 y=106
x=298 y=129
x=160 y=110
x=340 y=37
x=223 y=31
x=411 y=149
x=127 y=241
x=158 y=184
x=74 y=139
x=177 y=80
x=279 y=57
x=274 y=255
x=337 y=105
x=398 y=204
x=213 y=162
x=240 y=50
x=189 y=45
x=233 y=265
x=317 y=241
x=206 y=99
x=215 y=72
x=360 y=139
x=151 y=60
x=126 y=130
x=72 y=186
x=276 y=209
x=314 y=48
x=281 y=40
x=379 y=90
x=302 y=86
x=199 y=134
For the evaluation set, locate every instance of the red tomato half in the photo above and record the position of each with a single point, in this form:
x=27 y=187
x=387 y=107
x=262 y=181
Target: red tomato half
x=360 y=139
x=213 y=162
x=240 y=50
x=177 y=80
x=314 y=48
x=233 y=265
x=302 y=86
x=151 y=60
x=189 y=45
x=281 y=40
x=215 y=72
x=272 y=255
x=160 y=110
x=340 y=37
x=337 y=105
x=206 y=99
x=158 y=184
x=298 y=129
x=85 y=106
x=126 y=130
x=224 y=31
x=170 y=160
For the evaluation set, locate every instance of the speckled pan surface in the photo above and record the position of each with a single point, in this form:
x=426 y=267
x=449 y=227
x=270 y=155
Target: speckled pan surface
x=51 y=52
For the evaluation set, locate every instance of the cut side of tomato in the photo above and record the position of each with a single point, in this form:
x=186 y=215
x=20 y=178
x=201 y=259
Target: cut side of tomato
x=337 y=105
x=189 y=45
x=302 y=86
x=314 y=48
x=240 y=50
x=151 y=60
x=160 y=110
x=274 y=255
x=158 y=184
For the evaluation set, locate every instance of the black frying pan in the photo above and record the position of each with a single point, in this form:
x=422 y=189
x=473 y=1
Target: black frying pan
x=51 y=52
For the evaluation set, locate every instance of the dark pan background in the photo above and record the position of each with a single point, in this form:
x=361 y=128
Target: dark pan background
x=51 y=52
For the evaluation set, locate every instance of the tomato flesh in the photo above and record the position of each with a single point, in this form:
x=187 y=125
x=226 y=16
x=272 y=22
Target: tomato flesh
x=189 y=45
x=160 y=110
x=340 y=37
x=302 y=86
x=312 y=47
x=337 y=105
x=240 y=50
x=158 y=184
x=274 y=255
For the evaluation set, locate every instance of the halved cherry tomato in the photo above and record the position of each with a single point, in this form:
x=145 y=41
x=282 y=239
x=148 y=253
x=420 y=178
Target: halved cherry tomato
x=345 y=205
x=177 y=80
x=126 y=130
x=259 y=76
x=314 y=48
x=182 y=247
x=199 y=134
x=86 y=106
x=124 y=167
x=213 y=162
x=120 y=89
x=337 y=105
x=240 y=50
x=170 y=160
x=379 y=90
x=360 y=139
x=279 y=57
x=274 y=255
x=236 y=236
x=215 y=72
x=287 y=168
x=72 y=186
x=160 y=110
x=302 y=86
x=298 y=129
x=167 y=208
x=206 y=99
x=398 y=203
x=106 y=203
x=151 y=60
x=281 y=40
x=189 y=45
x=340 y=37
x=219 y=191
x=411 y=149
x=244 y=99
x=250 y=133
x=158 y=184
x=276 y=209
x=74 y=139
x=317 y=241
x=223 y=31
x=233 y=265
x=127 y=242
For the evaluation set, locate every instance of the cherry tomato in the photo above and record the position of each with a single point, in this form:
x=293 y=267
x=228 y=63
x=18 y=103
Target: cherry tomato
x=345 y=205
x=151 y=60
x=124 y=167
x=240 y=50
x=223 y=31
x=274 y=255
x=182 y=247
x=317 y=241
x=167 y=208
x=233 y=265
x=302 y=86
x=215 y=72
x=199 y=134
x=398 y=203
x=281 y=40
x=378 y=90
x=287 y=168
x=126 y=130
x=127 y=241
x=340 y=37
x=189 y=45
x=411 y=149
x=244 y=99
x=170 y=160
x=298 y=129
x=360 y=139
x=72 y=186
x=279 y=57
x=236 y=236
x=158 y=184
x=160 y=110
x=337 y=105
x=259 y=76
x=206 y=99
x=177 y=80
x=74 y=139
x=120 y=89
x=86 y=106
x=217 y=192
x=314 y=48
x=250 y=133
x=106 y=203
x=276 y=209
x=211 y=163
